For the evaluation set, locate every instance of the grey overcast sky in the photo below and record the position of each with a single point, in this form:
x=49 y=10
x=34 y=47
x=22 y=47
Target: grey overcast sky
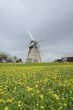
x=47 y=20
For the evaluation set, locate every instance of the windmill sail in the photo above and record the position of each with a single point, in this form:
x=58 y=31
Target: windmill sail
x=30 y=35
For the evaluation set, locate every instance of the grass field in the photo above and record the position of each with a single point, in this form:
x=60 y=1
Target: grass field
x=36 y=87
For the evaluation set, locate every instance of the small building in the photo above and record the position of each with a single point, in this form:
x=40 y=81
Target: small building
x=69 y=59
x=65 y=59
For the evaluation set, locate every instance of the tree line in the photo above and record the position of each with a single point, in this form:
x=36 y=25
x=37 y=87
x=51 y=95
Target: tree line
x=4 y=57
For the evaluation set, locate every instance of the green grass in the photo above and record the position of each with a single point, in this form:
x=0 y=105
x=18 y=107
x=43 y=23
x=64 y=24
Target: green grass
x=45 y=86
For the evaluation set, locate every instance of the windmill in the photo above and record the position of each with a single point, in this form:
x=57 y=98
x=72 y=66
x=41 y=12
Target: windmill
x=33 y=53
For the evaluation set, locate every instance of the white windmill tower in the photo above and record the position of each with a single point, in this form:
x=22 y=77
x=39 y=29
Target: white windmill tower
x=33 y=53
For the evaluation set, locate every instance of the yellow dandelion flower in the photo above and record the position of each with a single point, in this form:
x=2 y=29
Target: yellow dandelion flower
x=42 y=107
x=37 y=91
x=41 y=96
x=6 y=108
x=19 y=103
x=56 y=96
x=36 y=86
x=29 y=89
x=65 y=104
